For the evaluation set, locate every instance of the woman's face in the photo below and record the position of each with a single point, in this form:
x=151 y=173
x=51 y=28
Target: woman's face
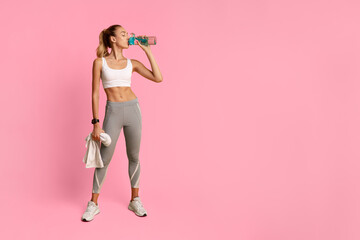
x=122 y=38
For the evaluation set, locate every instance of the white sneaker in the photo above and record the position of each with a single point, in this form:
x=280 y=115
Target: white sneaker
x=137 y=207
x=91 y=210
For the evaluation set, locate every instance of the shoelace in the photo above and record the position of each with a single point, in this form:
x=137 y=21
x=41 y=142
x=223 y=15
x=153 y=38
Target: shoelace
x=138 y=205
x=90 y=208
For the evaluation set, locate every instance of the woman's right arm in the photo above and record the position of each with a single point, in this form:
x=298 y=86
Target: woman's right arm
x=95 y=97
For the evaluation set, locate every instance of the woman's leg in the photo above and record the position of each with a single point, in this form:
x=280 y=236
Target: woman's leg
x=134 y=193
x=112 y=125
x=132 y=134
x=94 y=197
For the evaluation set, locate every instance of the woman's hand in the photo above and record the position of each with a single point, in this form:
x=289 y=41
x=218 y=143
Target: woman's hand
x=145 y=48
x=96 y=132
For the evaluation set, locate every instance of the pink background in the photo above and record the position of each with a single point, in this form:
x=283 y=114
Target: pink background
x=253 y=134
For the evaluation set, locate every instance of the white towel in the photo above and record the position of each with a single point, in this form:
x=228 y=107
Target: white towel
x=92 y=156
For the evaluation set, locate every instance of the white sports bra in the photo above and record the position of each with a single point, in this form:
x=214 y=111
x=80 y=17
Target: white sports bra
x=116 y=77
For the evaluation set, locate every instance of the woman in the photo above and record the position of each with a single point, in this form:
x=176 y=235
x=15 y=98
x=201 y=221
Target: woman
x=122 y=110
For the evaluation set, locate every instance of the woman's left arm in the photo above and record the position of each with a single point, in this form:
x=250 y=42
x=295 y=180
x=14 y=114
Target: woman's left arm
x=154 y=75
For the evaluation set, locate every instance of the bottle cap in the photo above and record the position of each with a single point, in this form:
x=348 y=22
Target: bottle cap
x=132 y=39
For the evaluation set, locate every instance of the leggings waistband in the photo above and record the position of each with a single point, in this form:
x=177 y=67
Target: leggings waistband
x=126 y=103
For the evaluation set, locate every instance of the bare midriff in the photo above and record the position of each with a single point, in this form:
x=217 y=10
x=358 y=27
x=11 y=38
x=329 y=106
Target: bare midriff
x=119 y=94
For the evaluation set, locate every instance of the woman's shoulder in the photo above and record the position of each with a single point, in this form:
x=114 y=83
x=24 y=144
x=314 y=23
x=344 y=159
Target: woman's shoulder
x=98 y=62
x=134 y=62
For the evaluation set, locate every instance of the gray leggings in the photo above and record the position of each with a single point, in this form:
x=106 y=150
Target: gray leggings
x=117 y=115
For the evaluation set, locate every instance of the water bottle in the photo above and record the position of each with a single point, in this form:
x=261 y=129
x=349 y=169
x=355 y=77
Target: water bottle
x=146 y=40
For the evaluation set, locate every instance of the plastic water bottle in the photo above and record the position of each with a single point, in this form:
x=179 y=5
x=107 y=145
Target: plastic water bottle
x=146 y=40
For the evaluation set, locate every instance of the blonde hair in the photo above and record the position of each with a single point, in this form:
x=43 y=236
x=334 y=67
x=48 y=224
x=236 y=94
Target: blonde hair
x=104 y=40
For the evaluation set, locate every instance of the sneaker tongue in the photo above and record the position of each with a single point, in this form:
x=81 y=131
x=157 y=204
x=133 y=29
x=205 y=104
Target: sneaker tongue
x=136 y=198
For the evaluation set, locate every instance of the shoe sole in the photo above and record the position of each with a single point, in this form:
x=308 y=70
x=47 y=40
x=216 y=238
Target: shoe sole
x=133 y=210
x=90 y=219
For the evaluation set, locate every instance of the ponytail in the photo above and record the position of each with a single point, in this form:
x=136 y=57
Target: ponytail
x=104 y=40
